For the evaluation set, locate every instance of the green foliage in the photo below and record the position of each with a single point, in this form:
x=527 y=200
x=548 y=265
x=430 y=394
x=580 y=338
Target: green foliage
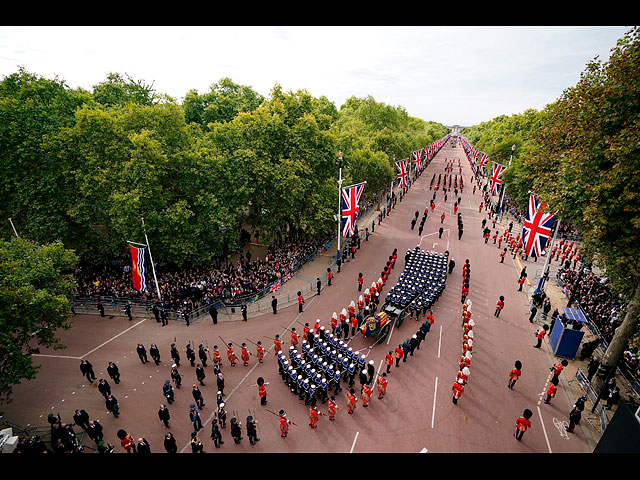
x=117 y=91
x=36 y=286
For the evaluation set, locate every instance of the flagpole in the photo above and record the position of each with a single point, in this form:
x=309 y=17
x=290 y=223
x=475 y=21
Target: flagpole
x=513 y=147
x=339 y=201
x=14 y=228
x=547 y=260
x=153 y=267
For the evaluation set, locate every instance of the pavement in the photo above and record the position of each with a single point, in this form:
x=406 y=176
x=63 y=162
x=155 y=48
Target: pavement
x=416 y=415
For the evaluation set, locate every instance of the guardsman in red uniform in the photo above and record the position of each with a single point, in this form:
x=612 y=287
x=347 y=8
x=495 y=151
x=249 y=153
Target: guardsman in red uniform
x=351 y=405
x=313 y=415
x=521 y=282
x=388 y=360
x=523 y=424
x=382 y=385
x=262 y=391
x=367 y=297
x=278 y=344
x=329 y=276
x=366 y=394
x=514 y=374
x=480 y=209
x=373 y=289
x=499 y=306
x=442 y=218
x=284 y=423
x=540 y=335
x=333 y=407
x=217 y=358
x=360 y=304
x=499 y=242
x=352 y=309
x=399 y=353
x=455 y=208
x=244 y=355
x=458 y=389
x=294 y=337
x=354 y=325
x=379 y=284
x=259 y=351
x=231 y=355
x=128 y=444
x=334 y=323
x=360 y=282
x=502 y=255
x=551 y=391
x=557 y=370
x=305 y=332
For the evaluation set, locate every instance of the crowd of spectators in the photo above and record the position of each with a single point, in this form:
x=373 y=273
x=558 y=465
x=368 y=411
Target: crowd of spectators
x=601 y=307
x=198 y=285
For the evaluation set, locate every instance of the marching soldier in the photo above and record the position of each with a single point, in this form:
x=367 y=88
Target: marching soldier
x=231 y=355
x=191 y=355
x=333 y=407
x=215 y=355
x=175 y=355
x=523 y=423
x=294 y=337
x=236 y=432
x=222 y=415
x=388 y=360
x=244 y=355
x=259 y=351
x=167 y=391
x=352 y=404
x=216 y=436
x=284 y=424
x=252 y=432
x=382 y=385
x=202 y=354
x=175 y=376
x=278 y=344
x=458 y=390
x=366 y=395
x=514 y=374
x=262 y=391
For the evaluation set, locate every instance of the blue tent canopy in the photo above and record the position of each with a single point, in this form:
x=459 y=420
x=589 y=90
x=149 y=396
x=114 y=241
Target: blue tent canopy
x=574 y=314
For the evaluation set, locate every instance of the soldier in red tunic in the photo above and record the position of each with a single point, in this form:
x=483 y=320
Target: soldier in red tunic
x=244 y=355
x=231 y=355
x=523 y=424
x=514 y=374
x=284 y=423
x=382 y=384
x=458 y=389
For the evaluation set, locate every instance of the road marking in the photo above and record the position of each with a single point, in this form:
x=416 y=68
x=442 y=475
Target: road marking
x=424 y=450
x=433 y=412
x=544 y=429
x=354 y=442
x=113 y=338
x=440 y=341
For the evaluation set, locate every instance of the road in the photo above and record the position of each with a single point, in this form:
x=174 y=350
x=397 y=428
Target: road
x=416 y=415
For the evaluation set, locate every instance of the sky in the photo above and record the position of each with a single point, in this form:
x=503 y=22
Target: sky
x=454 y=75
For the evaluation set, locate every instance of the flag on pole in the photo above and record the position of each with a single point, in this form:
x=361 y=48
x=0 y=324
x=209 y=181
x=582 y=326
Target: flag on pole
x=496 y=177
x=402 y=174
x=416 y=157
x=138 y=269
x=536 y=229
x=483 y=163
x=350 y=201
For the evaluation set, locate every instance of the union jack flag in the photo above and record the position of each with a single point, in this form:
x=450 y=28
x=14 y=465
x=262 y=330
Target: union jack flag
x=483 y=162
x=350 y=200
x=417 y=158
x=536 y=229
x=402 y=174
x=276 y=286
x=496 y=177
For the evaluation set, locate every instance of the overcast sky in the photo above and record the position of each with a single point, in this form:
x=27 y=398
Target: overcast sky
x=451 y=75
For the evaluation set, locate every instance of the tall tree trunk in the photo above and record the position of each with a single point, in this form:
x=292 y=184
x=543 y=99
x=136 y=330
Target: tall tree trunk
x=620 y=340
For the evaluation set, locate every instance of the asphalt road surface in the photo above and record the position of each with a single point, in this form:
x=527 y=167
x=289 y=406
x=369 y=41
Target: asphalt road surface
x=416 y=415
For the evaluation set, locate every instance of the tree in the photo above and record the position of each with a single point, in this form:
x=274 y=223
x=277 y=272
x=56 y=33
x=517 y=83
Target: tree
x=586 y=167
x=36 y=287
x=118 y=91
